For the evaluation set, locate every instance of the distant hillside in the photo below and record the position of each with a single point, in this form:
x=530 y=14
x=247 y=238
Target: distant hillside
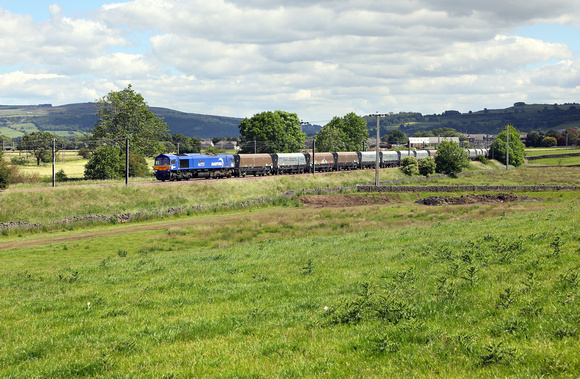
x=76 y=119
x=524 y=117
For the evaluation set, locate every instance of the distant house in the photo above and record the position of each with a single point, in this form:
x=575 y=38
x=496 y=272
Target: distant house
x=421 y=142
x=227 y=145
x=206 y=144
x=480 y=140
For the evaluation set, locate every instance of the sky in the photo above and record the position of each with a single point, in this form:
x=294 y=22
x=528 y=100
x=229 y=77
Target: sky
x=316 y=58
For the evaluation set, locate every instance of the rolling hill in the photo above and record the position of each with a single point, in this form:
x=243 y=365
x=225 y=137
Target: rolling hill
x=77 y=119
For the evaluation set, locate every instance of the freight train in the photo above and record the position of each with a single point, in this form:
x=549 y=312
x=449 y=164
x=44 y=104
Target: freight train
x=188 y=166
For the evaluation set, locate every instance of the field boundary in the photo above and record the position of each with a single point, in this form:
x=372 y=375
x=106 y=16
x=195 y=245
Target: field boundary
x=464 y=188
x=553 y=156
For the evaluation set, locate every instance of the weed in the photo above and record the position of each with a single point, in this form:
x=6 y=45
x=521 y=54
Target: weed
x=496 y=353
x=470 y=275
x=506 y=298
x=556 y=245
x=307 y=270
x=122 y=253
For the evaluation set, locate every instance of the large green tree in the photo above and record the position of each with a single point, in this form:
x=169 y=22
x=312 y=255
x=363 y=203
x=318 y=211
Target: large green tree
x=125 y=114
x=397 y=137
x=40 y=143
x=274 y=132
x=330 y=139
x=516 y=147
x=451 y=159
x=352 y=132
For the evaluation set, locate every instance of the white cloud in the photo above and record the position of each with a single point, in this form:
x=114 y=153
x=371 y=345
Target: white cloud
x=318 y=58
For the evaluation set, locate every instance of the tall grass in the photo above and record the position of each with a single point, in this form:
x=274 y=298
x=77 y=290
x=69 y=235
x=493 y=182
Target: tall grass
x=395 y=291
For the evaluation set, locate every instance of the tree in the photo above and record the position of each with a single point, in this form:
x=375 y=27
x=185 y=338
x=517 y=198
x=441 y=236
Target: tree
x=397 y=137
x=410 y=166
x=344 y=134
x=40 y=143
x=451 y=159
x=277 y=132
x=548 y=142
x=105 y=163
x=329 y=139
x=124 y=114
x=427 y=166
x=516 y=147
x=186 y=144
x=533 y=139
x=4 y=172
x=355 y=131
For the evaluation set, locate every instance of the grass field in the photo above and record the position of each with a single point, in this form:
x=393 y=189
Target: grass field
x=535 y=152
x=397 y=290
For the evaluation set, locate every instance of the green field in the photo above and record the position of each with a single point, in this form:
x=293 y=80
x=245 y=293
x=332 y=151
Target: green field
x=536 y=152
x=391 y=289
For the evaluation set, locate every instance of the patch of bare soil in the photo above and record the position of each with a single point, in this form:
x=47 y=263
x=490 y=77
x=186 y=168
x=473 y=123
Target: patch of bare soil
x=326 y=201
x=473 y=199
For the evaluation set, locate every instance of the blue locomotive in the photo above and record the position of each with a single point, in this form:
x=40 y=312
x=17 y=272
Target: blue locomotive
x=187 y=166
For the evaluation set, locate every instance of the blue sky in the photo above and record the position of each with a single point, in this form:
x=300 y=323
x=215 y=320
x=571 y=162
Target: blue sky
x=317 y=58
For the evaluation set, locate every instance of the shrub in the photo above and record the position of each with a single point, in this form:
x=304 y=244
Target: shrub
x=105 y=163
x=451 y=159
x=410 y=166
x=427 y=166
x=84 y=152
x=4 y=174
x=20 y=161
x=481 y=158
x=61 y=176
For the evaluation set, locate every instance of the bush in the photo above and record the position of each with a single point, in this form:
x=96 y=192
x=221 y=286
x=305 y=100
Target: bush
x=137 y=165
x=105 y=163
x=84 y=152
x=61 y=176
x=427 y=166
x=549 y=142
x=481 y=158
x=4 y=174
x=410 y=166
x=20 y=161
x=451 y=159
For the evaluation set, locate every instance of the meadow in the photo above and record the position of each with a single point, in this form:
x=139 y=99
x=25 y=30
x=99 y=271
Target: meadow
x=396 y=290
x=283 y=290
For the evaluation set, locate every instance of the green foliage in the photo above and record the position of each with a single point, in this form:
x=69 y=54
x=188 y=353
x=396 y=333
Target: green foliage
x=277 y=132
x=40 y=143
x=427 y=166
x=451 y=159
x=549 y=142
x=125 y=114
x=138 y=167
x=330 y=139
x=84 y=152
x=19 y=161
x=60 y=176
x=343 y=134
x=105 y=163
x=410 y=166
x=397 y=137
x=186 y=144
x=213 y=150
x=4 y=173
x=516 y=147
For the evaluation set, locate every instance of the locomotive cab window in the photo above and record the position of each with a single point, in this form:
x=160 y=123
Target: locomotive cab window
x=162 y=161
x=173 y=161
